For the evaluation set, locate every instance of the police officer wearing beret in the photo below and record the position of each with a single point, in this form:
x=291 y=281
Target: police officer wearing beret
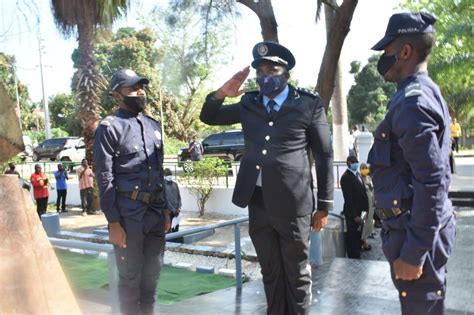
x=280 y=124
x=411 y=167
x=128 y=154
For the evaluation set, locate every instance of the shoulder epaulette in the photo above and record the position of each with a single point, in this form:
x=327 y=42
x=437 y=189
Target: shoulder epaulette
x=413 y=89
x=107 y=121
x=307 y=92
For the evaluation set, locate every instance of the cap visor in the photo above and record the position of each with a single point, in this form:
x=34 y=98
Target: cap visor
x=133 y=81
x=383 y=42
x=275 y=60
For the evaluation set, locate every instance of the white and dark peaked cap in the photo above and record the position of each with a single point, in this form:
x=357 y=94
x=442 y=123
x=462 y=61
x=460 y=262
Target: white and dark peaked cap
x=126 y=78
x=404 y=24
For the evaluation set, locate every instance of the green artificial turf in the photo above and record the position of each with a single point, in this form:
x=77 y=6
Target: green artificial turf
x=176 y=284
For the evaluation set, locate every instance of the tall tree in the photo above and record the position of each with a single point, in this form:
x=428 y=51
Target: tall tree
x=81 y=18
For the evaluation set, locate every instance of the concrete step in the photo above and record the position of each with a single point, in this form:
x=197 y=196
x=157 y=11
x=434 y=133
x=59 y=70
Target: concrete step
x=461 y=194
x=463 y=202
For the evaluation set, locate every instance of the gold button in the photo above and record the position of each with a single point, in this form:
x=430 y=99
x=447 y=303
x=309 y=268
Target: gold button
x=439 y=293
x=270 y=123
x=404 y=294
x=257 y=167
x=395 y=202
x=383 y=135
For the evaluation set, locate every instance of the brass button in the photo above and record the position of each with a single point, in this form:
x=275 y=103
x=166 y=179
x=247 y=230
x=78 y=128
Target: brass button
x=395 y=202
x=267 y=138
x=439 y=293
x=257 y=167
x=383 y=135
x=270 y=123
x=264 y=152
x=404 y=294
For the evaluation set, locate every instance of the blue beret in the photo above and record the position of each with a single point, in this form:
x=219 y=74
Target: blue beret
x=273 y=52
x=406 y=23
x=126 y=78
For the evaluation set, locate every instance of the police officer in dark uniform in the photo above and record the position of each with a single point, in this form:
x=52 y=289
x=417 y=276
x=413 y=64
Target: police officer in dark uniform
x=128 y=154
x=280 y=124
x=411 y=167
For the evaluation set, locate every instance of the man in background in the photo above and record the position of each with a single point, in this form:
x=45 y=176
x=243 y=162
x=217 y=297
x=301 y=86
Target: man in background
x=61 y=188
x=86 y=187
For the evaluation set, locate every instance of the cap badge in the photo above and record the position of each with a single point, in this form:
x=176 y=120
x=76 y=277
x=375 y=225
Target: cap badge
x=130 y=73
x=262 y=50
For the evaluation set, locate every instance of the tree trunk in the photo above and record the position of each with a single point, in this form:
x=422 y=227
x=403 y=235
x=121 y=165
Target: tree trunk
x=340 y=125
x=337 y=34
x=264 y=11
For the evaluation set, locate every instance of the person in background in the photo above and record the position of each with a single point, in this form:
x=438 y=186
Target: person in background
x=174 y=198
x=455 y=133
x=355 y=202
x=39 y=180
x=61 y=188
x=196 y=149
x=368 y=228
x=12 y=170
x=86 y=184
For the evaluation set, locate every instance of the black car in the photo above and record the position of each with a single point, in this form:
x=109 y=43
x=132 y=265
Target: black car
x=50 y=148
x=226 y=145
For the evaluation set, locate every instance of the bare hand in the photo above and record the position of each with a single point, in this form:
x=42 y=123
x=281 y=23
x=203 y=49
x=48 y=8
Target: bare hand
x=166 y=213
x=232 y=87
x=405 y=271
x=358 y=220
x=117 y=235
x=320 y=220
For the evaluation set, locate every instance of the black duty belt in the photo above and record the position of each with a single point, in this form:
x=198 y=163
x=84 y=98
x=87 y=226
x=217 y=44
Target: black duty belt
x=144 y=196
x=387 y=213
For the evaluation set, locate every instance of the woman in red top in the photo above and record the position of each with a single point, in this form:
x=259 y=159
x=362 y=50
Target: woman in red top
x=40 y=190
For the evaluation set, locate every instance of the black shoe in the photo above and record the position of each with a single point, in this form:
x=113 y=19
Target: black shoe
x=65 y=210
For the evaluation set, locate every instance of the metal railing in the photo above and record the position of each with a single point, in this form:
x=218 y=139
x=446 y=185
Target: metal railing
x=112 y=265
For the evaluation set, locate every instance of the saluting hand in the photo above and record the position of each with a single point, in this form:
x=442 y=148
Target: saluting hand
x=405 y=271
x=320 y=220
x=232 y=87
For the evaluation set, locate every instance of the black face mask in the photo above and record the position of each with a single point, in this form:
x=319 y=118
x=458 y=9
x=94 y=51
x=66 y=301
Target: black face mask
x=135 y=103
x=386 y=62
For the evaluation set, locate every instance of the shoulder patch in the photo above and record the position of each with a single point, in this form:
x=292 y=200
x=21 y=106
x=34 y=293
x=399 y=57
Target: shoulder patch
x=107 y=121
x=413 y=89
x=308 y=92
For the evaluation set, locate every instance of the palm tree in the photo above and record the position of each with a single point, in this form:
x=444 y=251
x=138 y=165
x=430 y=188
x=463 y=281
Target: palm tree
x=81 y=18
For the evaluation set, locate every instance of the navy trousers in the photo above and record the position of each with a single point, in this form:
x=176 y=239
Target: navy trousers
x=139 y=264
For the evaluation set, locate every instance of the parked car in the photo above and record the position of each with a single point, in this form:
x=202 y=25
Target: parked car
x=226 y=145
x=73 y=155
x=50 y=148
x=28 y=152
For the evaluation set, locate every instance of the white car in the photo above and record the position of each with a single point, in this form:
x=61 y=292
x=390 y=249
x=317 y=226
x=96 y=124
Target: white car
x=73 y=154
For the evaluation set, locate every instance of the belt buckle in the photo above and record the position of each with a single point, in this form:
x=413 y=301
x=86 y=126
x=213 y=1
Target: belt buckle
x=134 y=195
x=146 y=198
x=396 y=211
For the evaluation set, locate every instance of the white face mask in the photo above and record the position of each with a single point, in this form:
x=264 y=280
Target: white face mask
x=169 y=178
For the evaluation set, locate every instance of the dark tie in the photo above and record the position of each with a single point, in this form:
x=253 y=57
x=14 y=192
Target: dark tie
x=271 y=105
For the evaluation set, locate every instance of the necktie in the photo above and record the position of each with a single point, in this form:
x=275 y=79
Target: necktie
x=271 y=105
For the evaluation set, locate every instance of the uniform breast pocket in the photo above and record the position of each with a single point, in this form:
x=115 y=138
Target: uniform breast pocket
x=382 y=145
x=129 y=158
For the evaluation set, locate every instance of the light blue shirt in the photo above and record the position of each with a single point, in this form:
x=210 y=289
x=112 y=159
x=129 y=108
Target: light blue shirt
x=279 y=99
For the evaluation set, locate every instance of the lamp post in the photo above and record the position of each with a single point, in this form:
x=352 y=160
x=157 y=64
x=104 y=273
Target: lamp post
x=47 y=125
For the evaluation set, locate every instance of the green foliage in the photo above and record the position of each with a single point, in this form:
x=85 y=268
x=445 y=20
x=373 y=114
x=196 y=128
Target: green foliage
x=64 y=111
x=452 y=64
x=204 y=177
x=368 y=97
x=173 y=146
x=39 y=136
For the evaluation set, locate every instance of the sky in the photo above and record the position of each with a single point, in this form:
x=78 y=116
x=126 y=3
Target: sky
x=296 y=30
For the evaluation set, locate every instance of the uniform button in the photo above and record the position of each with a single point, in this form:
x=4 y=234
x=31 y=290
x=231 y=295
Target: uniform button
x=136 y=147
x=149 y=167
x=267 y=138
x=118 y=152
x=404 y=294
x=395 y=202
x=136 y=187
x=257 y=167
x=439 y=293
x=264 y=151
x=383 y=135
x=149 y=185
x=122 y=257
x=270 y=123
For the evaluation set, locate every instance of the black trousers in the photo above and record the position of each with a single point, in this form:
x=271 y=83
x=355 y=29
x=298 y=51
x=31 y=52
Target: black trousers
x=139 y=264
x=87 y=196
x=353 y=238
x=41 y=206
x=61 y=199
x=282 y=246
x=456 y=143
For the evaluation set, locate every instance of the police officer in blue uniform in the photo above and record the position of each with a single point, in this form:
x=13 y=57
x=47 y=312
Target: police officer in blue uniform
x=280 y=124
x=128 y=154
x=411 y=167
